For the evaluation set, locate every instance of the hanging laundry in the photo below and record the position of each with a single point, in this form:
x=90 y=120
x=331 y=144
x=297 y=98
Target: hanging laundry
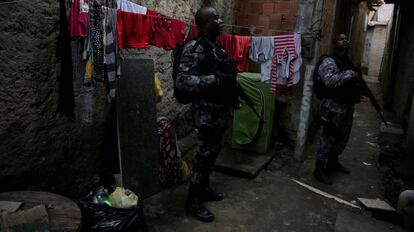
x=241 y=52
x=127 y=6
x=262 y=51
x=165 y=32
x=227 y=43
x=237 y=47
x=113 y=15
x=132 y=30
x=110 y=57
x=66 y=100
x=282 y=63
x=78 y=18
x=97 y=41
x=192 y=33
x=298 y=61
x=88 y=56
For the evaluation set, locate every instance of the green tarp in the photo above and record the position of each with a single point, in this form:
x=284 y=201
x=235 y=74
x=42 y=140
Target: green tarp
x=246 y=124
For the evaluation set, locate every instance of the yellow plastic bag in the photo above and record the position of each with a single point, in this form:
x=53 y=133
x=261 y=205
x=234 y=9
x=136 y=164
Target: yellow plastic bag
x=185 y=170
x=123 y=198
x=159 y=94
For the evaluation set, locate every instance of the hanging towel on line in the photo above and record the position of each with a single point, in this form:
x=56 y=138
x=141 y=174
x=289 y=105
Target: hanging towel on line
x=282 y=65
x=165 y=32
x=78 y=18
x=132 y=30
x=262 y=51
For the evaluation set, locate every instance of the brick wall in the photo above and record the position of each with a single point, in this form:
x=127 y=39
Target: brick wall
x=267 y=16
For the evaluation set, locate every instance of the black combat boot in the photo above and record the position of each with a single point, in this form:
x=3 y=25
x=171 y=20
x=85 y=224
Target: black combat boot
x=195 y=206
x=334 y=165
x=320 y=172
x=209 y=195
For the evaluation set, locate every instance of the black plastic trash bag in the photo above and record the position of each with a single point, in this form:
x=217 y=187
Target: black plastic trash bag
x=99 y=217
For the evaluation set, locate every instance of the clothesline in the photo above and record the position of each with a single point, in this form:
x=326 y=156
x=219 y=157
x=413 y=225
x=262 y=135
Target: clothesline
x=227 y=25
x=261 y=27
x=278 y=55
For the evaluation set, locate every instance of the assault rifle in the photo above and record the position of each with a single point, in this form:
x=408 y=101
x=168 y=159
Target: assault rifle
x=367 y=92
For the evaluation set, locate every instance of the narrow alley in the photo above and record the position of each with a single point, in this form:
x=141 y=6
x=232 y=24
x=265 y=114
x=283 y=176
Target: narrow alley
x=206 y=115
x=274 y=202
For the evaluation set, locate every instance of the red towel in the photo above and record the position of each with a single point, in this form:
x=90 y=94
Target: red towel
x=165 y=32
x=132 y=30
x=237 y=47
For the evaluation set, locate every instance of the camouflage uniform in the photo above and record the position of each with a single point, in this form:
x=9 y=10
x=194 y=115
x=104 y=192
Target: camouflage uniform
x=210 y=115
x=336 y=116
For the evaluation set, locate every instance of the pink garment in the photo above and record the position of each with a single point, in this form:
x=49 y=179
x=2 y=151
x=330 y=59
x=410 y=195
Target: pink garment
x=285 y=54
x=78 y=18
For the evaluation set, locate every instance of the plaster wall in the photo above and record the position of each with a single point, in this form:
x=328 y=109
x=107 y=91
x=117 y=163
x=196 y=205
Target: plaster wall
x=41 y=149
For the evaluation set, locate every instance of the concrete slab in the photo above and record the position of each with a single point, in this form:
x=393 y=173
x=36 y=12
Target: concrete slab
x=376 y=204
x=241 y=163
x=355 y=221
x=137 y=127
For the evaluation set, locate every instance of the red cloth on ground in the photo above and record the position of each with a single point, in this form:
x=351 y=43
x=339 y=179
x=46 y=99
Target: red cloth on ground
x=132 y=30
x=165 y=32
x=78 y=20
x=192 y=33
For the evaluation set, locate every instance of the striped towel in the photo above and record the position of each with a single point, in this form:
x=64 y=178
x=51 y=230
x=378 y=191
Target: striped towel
x=110 y=54
x=285 y=54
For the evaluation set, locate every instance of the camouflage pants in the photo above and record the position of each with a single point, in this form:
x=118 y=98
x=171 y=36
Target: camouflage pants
x=335 y=133
x=208 y=147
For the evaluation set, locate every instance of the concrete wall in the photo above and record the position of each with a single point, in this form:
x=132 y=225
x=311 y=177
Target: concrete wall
x=410 y=132
x=404 y=76
x=40 y=149
x=379 y=37
x=397 y=78
x=358 y=33
x=387 y=75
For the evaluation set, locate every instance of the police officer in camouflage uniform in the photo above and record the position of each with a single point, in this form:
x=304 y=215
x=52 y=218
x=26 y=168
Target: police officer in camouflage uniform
x=338 y=74
x=210 y=112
